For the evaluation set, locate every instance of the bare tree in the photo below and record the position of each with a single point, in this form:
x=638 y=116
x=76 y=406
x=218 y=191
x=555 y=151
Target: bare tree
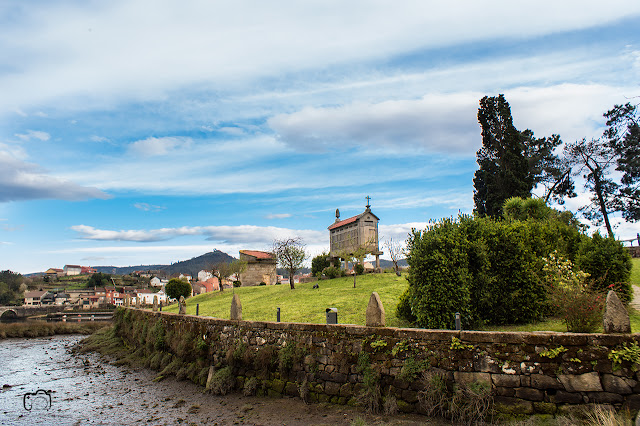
x=223 y=270
x=395 y=250
x=290 y=253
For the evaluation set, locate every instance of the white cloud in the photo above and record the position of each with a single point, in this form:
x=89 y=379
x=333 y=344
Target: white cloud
x=278 y=216
x=33 y=134
x=245 y=234
x=106 y=49
x=25 y=181
x=96 y=138
x=444 y=123
x=152 y=147
x=148 y=207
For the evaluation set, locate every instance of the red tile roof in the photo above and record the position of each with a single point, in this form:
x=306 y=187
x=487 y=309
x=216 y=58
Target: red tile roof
x=257 y=254
x=344 y=222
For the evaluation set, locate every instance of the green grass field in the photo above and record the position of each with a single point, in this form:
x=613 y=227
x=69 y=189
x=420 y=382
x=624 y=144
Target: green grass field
x=305 y=304
x=635 y=272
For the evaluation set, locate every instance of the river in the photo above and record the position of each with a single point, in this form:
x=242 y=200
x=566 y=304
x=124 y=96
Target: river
x=44 y=383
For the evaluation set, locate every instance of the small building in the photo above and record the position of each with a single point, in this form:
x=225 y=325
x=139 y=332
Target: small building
x=87 y=270
x=261 y=267
x=357 y=232
x=204 y=275
x=72 y=270
x=33 y=298
x=54 y=273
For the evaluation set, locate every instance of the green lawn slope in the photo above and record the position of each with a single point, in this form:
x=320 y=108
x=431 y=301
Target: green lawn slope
x=635 y=272
x=305 y=304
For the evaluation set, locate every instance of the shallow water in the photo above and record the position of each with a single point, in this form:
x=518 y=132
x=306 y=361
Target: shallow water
x=86 y=390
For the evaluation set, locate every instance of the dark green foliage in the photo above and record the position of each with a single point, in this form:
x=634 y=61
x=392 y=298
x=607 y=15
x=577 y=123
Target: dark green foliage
x=359 y=269
x=223 y=381
x=319 y=263
x=513 y=162
x=608 y=264
x=99 y=280
x=332 y=272
x=488 y=270
x=176 y=288
x=237 y=283
x=11 y=288
x=158 y=333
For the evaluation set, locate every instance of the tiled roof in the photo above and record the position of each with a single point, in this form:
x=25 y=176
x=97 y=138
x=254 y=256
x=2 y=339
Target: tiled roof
x=257 y=254
x=344 y=222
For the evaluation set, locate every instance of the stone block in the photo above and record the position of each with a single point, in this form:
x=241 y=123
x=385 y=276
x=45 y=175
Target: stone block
x=332 y=388
x=505 y=380
x=588 y=382
x=291 y=389
x=616 y=317
x=605 y=398
x=486 y=364
x=540 y=381
x=346 y=390
x=505 y=391
x=615 y=384
x=530 y=394
x=375 y=315
x=632 y=402
x=236 y=308
x=562 y=397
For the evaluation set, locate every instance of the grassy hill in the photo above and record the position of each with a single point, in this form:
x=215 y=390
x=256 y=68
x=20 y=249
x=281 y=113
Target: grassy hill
x=305 y=304
x=191 y=266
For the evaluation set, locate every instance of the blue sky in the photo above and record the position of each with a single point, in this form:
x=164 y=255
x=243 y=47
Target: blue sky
x=137 y=132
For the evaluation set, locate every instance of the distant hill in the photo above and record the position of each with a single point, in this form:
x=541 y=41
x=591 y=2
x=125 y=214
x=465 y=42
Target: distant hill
x=187 y=267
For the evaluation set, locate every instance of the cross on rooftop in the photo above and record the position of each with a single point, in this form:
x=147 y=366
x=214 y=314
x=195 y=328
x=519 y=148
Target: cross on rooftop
x=368 y=201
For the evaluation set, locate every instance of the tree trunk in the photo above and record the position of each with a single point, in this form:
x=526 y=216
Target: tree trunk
x=291 y=280
x=601 y=203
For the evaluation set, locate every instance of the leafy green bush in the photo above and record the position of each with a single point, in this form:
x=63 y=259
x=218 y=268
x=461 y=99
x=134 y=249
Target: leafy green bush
x=237 y=283
x=608 y=264
x=319 y=263
x=570 y=297
x=359 y=269
x=176 y=288
x=487 y=269
x=331 y=272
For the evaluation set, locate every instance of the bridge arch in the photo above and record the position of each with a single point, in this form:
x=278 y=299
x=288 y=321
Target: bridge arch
x=9 y=314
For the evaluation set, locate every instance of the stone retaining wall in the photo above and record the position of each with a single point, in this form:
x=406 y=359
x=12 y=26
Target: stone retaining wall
x=527 y=372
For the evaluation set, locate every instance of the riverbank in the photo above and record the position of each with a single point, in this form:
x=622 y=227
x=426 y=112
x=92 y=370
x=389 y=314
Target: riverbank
x=40 y=328
x=86 y=388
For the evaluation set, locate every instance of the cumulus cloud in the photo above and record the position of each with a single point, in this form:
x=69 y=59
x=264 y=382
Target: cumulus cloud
x=443 y=123
x=33 y=134
x=25 y=181
x=152 y=147
x=223 y=234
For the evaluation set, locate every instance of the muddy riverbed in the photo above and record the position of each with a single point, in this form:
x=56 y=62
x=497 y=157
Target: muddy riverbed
x=64 y=388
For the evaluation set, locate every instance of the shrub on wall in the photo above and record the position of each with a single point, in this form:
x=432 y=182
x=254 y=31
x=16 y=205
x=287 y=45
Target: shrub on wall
x=487 y=269
x=608 y=264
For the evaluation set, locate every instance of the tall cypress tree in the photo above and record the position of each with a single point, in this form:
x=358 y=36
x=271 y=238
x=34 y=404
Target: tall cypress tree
x=504 y=168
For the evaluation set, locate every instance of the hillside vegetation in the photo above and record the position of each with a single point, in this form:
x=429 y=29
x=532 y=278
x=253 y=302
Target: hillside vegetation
x=305 y=304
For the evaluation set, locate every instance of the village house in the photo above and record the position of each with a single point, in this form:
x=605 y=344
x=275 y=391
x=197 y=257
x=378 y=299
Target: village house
x=33 y=298
x=204 y=275
x=261 y=267
x=72 y=270
x=158 y=282
x=146 y=296
x=54 y=273
x=355 y=234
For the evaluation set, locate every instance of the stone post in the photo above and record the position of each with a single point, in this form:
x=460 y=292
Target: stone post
x=155 y=303
x=182 y=306
x=616 y=317
x=236 y=308
x=375 y=312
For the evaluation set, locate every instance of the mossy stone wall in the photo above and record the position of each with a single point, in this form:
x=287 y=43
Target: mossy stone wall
x=527 y=372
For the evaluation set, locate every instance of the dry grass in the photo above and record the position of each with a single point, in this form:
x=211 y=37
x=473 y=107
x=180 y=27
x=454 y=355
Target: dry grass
x=41 y=328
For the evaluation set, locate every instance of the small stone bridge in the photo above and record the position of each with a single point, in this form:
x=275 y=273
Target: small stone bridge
x=11 y=312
